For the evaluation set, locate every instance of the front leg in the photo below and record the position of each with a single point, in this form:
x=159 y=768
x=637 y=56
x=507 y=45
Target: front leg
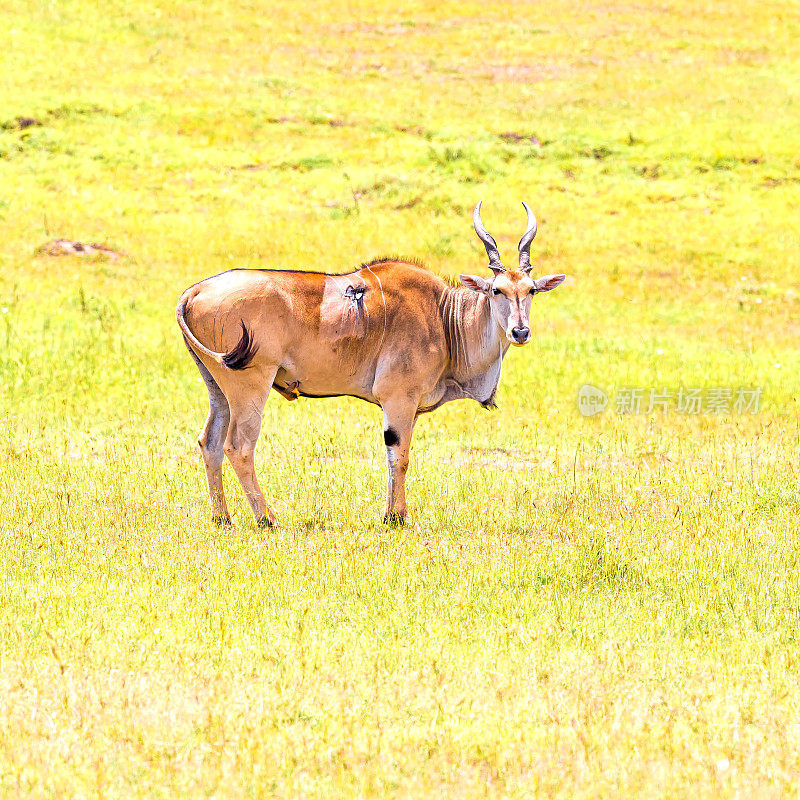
x=399 y=416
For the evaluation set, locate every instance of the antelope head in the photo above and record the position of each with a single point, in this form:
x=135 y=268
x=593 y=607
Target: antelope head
x=511 y=290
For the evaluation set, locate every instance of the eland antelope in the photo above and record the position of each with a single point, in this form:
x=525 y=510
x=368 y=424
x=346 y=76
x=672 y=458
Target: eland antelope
x=390 y=332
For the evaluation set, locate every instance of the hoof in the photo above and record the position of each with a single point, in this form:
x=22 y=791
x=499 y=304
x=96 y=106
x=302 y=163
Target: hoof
x=394 y=520
x=267 y=522
x=222 y=522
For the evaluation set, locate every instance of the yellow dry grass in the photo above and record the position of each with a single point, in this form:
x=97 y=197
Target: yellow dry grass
x=581 y=607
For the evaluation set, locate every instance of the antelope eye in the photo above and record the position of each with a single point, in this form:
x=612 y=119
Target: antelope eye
x=495 y=291
x=533 y=290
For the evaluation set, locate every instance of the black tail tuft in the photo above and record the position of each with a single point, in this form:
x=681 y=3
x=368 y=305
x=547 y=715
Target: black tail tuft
x=241 y=355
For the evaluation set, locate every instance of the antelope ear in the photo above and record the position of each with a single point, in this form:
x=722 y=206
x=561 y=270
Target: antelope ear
x=476 y=283
x=549 y=282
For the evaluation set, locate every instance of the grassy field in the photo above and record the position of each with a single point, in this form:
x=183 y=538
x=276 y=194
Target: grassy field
x=601 y=606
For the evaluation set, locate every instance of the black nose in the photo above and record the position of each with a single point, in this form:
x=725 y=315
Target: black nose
x=520 y=335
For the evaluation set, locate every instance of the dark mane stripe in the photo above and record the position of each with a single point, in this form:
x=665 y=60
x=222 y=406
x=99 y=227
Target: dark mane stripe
x=241 y=355
x=414 y=262
x=451 y=280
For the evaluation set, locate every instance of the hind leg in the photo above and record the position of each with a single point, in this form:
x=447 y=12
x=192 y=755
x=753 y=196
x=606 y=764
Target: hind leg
x=211 y=440
x=247 y=408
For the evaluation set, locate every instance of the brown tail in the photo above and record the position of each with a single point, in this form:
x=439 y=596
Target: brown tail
x=238 y=358
x=241 y=355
